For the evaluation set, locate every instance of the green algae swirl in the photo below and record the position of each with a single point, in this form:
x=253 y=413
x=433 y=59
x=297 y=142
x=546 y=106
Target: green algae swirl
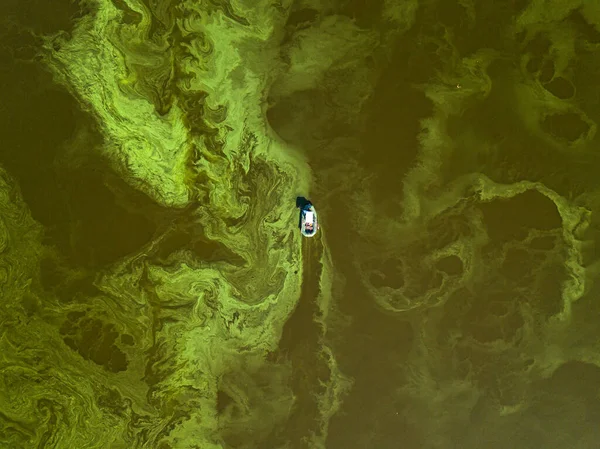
x=156 y=292
x=169 y=346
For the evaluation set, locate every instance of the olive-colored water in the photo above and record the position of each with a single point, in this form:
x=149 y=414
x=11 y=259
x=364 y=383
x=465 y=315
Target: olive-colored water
x=450 y=299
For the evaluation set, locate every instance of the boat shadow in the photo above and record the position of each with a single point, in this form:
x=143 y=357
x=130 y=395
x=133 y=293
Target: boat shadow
x=301 y=202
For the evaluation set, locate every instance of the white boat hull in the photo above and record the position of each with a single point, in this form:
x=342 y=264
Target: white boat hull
x=305 y=228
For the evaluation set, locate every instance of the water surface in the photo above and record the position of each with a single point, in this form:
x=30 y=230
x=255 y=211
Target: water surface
x=157 y=292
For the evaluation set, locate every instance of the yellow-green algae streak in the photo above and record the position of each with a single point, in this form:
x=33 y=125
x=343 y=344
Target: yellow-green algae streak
x=177 y=93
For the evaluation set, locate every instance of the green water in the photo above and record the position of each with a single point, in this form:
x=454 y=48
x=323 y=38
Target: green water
x=156 y=292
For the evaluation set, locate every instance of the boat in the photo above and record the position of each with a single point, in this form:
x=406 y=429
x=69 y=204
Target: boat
x=308 y=220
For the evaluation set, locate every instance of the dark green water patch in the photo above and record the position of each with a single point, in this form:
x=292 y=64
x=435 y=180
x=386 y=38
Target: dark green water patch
x=392 y=121
x=41 y=119
x=127 y=339
x=549 y=285
x=486 y=322
x=543 y=243
x=34 y=15
x=68 y=286
x=369 y=418
x=300 y=116
x=366 y=13
x=478 y=128
x=517 y=265
x=575 y=378
x=300 y=345
x=534 y=64
x=389 y=273
x=510 y=219
x=224 y=402
x=451 y=14
x=568 y=126
x=451 y=265
x=573 y=387
x=473 y=33
x=188 y=236
x=80 y=214
x=538 y=45
x=94 y=340
x=453 y=311
x=101 y=231
x=586 y=30
x=301 y=16
x=561 y=88
x=546 y=72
